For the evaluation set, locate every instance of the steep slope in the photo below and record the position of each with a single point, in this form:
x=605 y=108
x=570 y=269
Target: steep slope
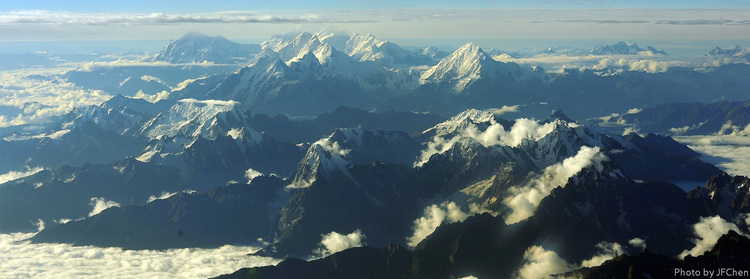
x=353 y=170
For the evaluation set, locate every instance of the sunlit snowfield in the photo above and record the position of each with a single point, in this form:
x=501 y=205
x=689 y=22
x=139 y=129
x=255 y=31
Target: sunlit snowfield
x=21 y=259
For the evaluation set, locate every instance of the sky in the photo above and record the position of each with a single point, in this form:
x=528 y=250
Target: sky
x=86 y=20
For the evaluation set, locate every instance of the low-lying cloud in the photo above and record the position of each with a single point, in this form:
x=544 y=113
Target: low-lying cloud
x=434 y=215
x=13 y=175
x=540 y=263
x=39 y=100
x=250 y=174
x=524 y=199
x=708 y=231
x=728 y=152
x=607 y=251
x=335 y=242
x=21 y=259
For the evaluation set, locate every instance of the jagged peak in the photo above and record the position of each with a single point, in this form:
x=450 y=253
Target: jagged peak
x=558 y=115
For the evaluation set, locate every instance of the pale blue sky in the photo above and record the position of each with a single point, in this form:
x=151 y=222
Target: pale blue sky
x=53 y=20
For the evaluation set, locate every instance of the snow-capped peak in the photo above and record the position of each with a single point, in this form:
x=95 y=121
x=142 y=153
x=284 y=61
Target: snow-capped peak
x=460 y=68
x=465 y=119
x=191 y=118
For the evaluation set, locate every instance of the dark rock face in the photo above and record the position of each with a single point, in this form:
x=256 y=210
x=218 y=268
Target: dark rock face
x=723 y=195
x=392 y=261
x=235 y=214
x=732 y=251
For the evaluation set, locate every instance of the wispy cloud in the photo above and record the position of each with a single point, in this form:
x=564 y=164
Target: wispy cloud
x=696 y=22
x=604 y=21
x=37 y=17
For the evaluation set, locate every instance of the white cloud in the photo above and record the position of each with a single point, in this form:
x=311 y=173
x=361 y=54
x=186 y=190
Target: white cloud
x=495 y=134
x=152 y=98
x=210 y=102
x=21 y=259
x=637 y=243
x=13 y=175
x=166 y=195
x=540 y=263
x=251 y=173
x=40 y=100
x=708 y=231
x=505 y=109
x=43 y=17
x=335 y=242
x=151 y=78
x=100 y=204
x=434 y=215
x=525 y=199
x=633 y=111
x=608 y=251
x=728 y=152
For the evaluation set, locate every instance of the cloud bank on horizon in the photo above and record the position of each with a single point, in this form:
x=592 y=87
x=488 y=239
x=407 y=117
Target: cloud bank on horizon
x=441 y=19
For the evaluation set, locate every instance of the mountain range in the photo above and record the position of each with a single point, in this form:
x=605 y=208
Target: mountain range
x=449 y=161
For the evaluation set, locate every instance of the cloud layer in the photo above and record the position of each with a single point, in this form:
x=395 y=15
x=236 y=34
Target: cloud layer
x=41 y=99
x=21 y=259
x=43 y=17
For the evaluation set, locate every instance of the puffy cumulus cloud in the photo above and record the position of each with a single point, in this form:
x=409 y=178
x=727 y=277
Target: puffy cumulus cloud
x=100 y=204
x=434 y=215
x=495 y=134
x=540 y=263
x=41 y=99
x=523 y=200
x=728 y=152
x=607 y=251
x=332 y=147
x=708 y=231
x=251 y=173
x=437 y=145
x=152 y=98
x=335 y=242
x=21 y=259
x=637 y=243
x=13 y=175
